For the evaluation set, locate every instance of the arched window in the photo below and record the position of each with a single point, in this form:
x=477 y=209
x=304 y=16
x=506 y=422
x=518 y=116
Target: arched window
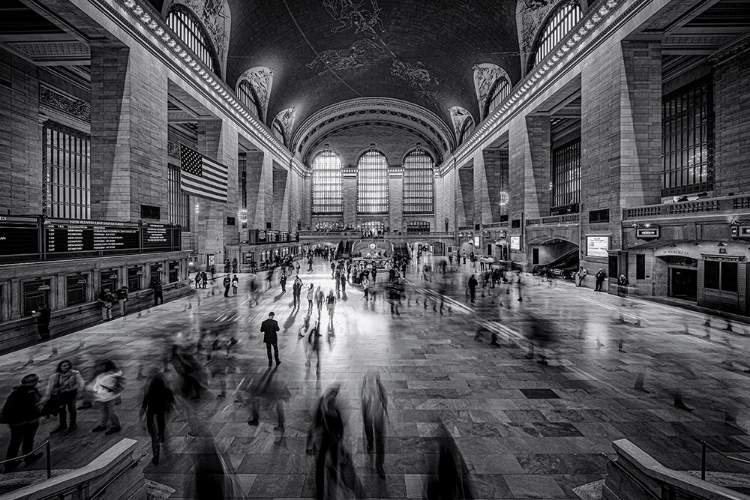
x=326 y=184
x=501 y=92
x=185 y=25
x=245 y=94
x=418 y=183
x=278 y=131
x=372 y=183
x=566 y=15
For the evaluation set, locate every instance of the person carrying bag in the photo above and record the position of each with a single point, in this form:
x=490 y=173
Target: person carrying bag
x=60 y=398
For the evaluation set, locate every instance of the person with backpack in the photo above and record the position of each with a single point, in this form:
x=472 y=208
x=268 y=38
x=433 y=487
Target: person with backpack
x=62 y=391
x=158 y=401
x=106 y=388
x=21 y=412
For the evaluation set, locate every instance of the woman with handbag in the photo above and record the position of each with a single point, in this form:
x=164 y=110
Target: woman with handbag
x=62 y=391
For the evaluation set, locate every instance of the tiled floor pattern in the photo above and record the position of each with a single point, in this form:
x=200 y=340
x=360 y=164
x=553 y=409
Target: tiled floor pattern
x=525 y=429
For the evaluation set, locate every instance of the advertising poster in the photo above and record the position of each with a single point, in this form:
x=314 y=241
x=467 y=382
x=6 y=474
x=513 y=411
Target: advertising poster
x=597 y=246
x=515 y=242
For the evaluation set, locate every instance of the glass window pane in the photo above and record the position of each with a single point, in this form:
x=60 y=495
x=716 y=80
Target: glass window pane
x=418 y=183
x=326 y=184
x=372 y=183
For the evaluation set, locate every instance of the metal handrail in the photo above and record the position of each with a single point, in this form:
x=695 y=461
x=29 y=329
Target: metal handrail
x=117 y=476
x=22 y=457
x=640 y=483
x=705 y=445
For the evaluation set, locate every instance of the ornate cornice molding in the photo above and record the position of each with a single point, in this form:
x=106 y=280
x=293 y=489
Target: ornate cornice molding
x=577 y=45
x=138 y=20
x=733 y=49
x=429 y=125
x=63 y=103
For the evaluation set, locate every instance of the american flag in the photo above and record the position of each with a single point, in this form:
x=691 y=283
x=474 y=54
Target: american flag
x=202 y=176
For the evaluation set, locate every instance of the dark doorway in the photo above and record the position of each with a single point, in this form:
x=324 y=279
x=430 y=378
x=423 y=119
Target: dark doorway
x=535 y=256
x=683 y=283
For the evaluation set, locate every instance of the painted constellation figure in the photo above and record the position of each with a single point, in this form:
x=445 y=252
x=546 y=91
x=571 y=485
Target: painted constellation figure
x=350 y=15
x=337 y=60
x=414 y=74
x=485 y=76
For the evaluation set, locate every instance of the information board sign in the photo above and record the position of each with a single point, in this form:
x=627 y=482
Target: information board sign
x=19 y=235
x=156 y=237
x=597 y=246
x=515 y=242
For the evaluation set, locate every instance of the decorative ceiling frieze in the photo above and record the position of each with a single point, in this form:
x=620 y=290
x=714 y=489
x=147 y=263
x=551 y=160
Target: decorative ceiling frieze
x=63 y=103
x=486 y=76
x=261 y=82
x=460 y=117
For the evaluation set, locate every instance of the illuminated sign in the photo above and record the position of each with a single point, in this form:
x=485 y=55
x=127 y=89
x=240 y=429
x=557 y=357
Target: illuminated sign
x=648 y=233
x=515 y=242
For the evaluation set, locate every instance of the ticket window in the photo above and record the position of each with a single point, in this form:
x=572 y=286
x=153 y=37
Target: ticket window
x=109 y=280
x=35 y=296
x=75 y=290
x=134 y=278
x=154 y=273
x=174 y=271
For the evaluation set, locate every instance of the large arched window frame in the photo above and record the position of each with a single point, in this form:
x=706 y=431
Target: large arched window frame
x=560 y=22
x=372 y=183
x=278 y=131
x=185 y=24
x=326 y=184
x=247 y=97
x=419 y=183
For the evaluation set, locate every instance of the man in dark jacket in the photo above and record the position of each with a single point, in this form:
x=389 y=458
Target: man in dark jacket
x=472 y=288
x=296 y=291
x=21 y=413
x=599 y=280
x=158 y=295
x=43 y=316
x=227 y=283
x=269 y=328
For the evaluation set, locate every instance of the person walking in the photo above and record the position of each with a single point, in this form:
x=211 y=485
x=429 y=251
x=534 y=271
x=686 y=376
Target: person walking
x=204 y=279
x=235 y=284
x=158 y=292
x=227 y=284
x=599 y=280
x=43 y=316
x=122 y=298
x=343 y=284
x=62 y=391
x=374 y=413
x=21 y=412
x=106 y=388
x=319 y=299
x=158 y=401
x=282 y=282
x=310 y=296
x=269 y=328
x=296 y=292
x=331 y=306
x=472 y=288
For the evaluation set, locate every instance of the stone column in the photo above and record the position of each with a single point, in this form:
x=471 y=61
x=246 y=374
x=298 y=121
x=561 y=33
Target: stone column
x=465 y=196
x=280 y=198
x=254 y=164
x=259 y=190
x=307 y=201
x=396 y=198
x=349 y=195
x=128 y=133
x=495 y=182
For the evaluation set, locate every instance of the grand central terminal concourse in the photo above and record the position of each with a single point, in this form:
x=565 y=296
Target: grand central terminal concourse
x=375 y=249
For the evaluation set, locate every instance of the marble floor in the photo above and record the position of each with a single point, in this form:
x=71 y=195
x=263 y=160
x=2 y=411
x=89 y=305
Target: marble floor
x=525 y=429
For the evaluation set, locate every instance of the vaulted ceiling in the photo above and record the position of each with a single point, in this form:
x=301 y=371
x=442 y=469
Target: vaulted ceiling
x=326 y=51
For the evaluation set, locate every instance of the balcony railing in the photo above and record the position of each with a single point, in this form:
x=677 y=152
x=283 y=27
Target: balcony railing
x=708 y=205
x=554 y=220
x=260 y=237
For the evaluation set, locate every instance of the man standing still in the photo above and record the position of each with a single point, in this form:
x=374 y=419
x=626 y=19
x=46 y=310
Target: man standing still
x=43 y=317
x=269 y=328
x=227 y=283
x=599 y=280
x=296 y=291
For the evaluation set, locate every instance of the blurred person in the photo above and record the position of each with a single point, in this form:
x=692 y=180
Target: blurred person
x=204 y=279
x=158 y=291
x=189 y=369
x=472 y=285
x=158 y=401
x=273 y=392
x=324 y=440
x=43 y=316
x=21 y=412
x=319 y=299
x=105 y=300
x=213 y=477
x=310 y=296
x=331 y=306
x=62 y=391
x=581 y=275
x=106 y=388
x=235 y=285
x=374 y=413
x=227 y=283
x=282 y=282
x=269 y=329
x=449 y=477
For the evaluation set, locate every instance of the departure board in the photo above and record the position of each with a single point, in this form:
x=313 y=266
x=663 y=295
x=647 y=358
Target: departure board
x=19 y=235
x=71 y=236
